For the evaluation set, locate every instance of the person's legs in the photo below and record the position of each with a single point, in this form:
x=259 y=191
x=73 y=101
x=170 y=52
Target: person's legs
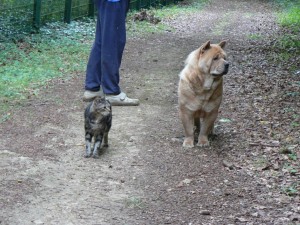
x=93 y=70
x=112 y=17
x=106 y=55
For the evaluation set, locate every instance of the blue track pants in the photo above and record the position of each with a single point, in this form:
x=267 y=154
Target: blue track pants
x=106 y=54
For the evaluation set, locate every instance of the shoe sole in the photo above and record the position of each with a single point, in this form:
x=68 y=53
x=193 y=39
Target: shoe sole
x=124 y=103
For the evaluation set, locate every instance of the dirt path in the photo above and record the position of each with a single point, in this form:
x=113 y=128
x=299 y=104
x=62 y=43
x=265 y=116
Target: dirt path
x=145 y=177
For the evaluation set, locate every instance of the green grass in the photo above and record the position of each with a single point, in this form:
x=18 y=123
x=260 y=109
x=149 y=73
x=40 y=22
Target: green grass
x=173 y=11
x=255 y=36
x=287 y=44
x=143 y=27
x=163 y=13
x=290 y=17
x=31 y=69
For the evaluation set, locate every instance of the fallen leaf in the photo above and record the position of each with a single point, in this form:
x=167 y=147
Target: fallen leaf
x=225 y=120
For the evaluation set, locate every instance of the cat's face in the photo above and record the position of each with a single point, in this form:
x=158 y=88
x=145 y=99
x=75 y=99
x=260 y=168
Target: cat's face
x=102 y=106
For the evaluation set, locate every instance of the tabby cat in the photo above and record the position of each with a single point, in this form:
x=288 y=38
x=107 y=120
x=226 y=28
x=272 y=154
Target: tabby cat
x=97 y=123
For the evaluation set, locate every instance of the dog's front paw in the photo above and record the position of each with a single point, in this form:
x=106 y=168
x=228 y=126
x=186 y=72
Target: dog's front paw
x=188 y=143
x=203 y=142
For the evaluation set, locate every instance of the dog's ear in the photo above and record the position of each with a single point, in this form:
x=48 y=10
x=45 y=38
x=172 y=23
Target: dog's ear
x=222 y=44
x=204 y=47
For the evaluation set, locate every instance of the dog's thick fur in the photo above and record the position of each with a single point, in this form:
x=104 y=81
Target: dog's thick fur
x=200 y=91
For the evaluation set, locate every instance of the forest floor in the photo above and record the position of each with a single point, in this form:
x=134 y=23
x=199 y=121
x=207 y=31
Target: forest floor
x=249 y=175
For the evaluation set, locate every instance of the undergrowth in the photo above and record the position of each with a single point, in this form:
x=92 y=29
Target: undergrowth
x=29 y=60
x=289 y=19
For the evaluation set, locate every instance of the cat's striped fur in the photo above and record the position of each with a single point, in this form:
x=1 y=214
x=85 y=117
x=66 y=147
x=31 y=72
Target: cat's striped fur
x=97 y=123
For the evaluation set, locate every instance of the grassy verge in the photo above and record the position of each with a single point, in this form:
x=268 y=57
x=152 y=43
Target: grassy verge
x=26 y=63
x=288 y=44
x=288 y=51
x=60 y=50
x=289 y=19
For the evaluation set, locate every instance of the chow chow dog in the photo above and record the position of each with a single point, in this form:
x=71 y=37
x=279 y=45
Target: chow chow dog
x=200 y=91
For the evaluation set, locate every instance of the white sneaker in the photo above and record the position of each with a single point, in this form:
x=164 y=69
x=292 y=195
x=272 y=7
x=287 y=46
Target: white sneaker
x=90 y=95
x=122 y=100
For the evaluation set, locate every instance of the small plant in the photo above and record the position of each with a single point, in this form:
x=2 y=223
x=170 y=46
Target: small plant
x=293 y=172
x=295 y=124
x=134 y=202
x=255 y=36
x=291 y=190
x=5 y=117
x=292 y=156
x=293 y=94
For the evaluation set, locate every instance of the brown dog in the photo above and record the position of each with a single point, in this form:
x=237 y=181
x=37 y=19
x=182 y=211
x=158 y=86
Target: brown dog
x=200 y=91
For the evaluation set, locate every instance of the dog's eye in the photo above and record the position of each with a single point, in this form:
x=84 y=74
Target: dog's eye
x=216 y=58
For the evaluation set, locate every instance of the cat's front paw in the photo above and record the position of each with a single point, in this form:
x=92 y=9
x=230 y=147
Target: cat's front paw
x=87 y=155
x=105 y=145
x=95 y=156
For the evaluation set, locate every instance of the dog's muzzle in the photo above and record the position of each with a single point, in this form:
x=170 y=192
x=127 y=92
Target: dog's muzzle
x=225 y=71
